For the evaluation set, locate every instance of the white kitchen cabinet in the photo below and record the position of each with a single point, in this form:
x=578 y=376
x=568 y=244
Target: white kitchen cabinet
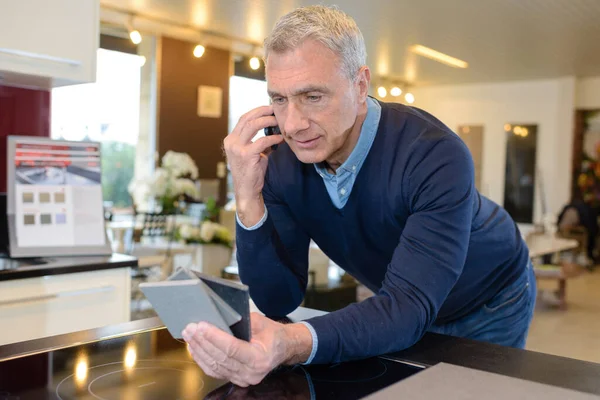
x=46 y=43
x=55 y=304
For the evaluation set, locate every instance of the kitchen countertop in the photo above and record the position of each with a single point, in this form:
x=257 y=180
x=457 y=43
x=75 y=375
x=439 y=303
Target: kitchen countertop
x=529 y=365
x=31 y=268
x=432 y=349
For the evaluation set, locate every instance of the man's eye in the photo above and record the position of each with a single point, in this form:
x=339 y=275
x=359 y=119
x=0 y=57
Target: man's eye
x=278 y=100
x=314 y=98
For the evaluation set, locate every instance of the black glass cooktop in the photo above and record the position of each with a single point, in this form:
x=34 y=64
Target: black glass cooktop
x=153 y=365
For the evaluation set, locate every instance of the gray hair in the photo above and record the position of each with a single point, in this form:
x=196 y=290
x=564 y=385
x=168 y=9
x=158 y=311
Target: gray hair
x=327 y=25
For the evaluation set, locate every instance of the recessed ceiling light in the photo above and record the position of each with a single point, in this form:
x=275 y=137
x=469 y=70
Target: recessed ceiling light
x=254 y=63
x=199 y=51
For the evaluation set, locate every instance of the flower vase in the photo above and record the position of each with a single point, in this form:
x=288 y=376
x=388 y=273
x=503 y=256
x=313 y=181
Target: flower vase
x=211 y=259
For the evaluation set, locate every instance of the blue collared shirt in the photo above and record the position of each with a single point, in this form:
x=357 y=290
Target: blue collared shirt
x=339 y=185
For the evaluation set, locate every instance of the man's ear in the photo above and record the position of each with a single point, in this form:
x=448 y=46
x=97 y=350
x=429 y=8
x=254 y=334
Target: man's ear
x=363 y=82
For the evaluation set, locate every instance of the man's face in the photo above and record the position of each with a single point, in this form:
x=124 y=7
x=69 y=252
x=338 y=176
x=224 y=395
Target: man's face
x=315 y=103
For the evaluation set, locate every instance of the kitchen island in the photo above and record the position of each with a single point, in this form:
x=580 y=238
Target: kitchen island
x=41 y=297
x=141 y=359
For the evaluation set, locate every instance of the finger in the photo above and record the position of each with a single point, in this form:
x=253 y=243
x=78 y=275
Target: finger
x=251 y=127
x=211 y=366
x=240 y=383
x=257 y=112
x=230 y=346
x=262 y=144
x=221 y=358
x=251 y=115
x=215 y=358
x=200 y=360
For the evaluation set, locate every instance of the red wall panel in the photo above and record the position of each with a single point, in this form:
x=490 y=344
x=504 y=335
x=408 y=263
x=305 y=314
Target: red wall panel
x=22 y=112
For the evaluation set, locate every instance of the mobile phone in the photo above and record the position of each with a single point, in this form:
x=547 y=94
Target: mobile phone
x=272 y=130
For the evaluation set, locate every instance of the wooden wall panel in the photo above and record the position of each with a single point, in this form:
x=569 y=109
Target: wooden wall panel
x=179 y=126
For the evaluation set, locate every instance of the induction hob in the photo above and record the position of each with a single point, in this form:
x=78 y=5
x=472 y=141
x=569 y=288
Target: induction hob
x=153 y=365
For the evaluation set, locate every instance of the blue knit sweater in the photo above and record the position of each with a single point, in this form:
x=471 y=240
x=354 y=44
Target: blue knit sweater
x=414 y=230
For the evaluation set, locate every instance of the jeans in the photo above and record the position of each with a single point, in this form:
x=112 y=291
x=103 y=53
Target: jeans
x=503 y=320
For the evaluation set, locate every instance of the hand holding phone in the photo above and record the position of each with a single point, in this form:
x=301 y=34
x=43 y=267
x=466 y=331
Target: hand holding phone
x=248 y=161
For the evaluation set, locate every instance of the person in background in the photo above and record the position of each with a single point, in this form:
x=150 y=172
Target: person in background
x=385 y=190
x=581 y=214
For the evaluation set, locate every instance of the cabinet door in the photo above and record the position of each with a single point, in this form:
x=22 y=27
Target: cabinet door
x=56 y=40
x=52 y=305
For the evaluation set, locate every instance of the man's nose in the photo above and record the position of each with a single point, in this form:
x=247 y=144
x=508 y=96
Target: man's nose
x=295 y=120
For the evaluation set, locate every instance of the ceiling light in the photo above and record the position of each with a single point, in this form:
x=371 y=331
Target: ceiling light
x=135 y=36
x=381 y=91
x=396 y=91
x=409 y=97
x=437 y=56
x=142 y=60
x=254 y=63
x=199 y=51
x=507 y=127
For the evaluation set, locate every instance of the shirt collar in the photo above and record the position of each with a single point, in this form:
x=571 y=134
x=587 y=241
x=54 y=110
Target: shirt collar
x=363 y=145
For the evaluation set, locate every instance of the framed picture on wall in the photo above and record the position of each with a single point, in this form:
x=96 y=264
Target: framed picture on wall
x=210 y=100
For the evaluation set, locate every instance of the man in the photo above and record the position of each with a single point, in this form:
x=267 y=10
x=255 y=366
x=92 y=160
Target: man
x=387 y=193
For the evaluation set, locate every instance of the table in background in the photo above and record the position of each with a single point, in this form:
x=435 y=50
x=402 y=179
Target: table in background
x=547 y=244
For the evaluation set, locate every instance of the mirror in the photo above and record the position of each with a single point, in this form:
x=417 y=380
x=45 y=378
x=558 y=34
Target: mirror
x=519 y=180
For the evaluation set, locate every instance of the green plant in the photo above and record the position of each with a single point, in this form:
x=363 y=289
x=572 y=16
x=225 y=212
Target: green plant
x=211 y=212
x=118 y=161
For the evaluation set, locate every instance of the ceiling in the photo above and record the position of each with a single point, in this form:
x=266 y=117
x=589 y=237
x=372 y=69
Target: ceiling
x=501 y=40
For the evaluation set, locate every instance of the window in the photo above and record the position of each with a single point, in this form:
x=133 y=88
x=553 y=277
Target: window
x=107 y=111
x=245 y=94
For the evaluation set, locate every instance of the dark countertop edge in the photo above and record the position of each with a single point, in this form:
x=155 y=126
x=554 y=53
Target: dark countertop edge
x=432 y=349
x=70 y=265
x=568 y=373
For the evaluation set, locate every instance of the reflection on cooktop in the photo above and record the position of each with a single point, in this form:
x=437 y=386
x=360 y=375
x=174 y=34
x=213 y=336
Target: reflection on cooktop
x=353 y=380
x=152 y=365
x=144 y=379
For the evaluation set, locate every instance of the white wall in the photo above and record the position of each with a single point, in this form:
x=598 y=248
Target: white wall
x=588 y=93
x=546 y=103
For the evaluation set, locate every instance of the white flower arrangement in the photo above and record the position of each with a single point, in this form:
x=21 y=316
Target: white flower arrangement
x=180 y=164
x=169 y=182
x=207 y=232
